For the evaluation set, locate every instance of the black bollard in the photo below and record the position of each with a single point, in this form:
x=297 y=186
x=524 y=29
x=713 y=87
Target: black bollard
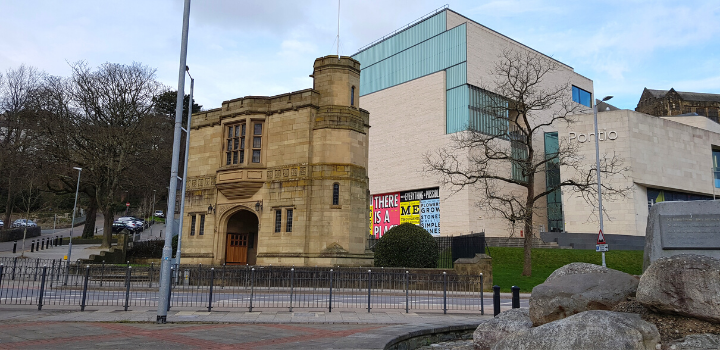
x=496 y=300
x=14 y=247
x=515 y=297
x=32 y=246
x=42 y=244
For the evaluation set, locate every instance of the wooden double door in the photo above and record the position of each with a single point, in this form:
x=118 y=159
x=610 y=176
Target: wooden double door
x=237 y=248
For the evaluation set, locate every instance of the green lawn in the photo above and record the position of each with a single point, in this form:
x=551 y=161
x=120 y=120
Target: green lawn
x=508 y=264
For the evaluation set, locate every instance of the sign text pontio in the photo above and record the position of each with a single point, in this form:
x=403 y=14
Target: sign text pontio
x=580 y=137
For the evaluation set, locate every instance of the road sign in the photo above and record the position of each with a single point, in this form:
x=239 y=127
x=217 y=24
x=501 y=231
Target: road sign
x=127 y=204
x=601 y=238
x=601 y=247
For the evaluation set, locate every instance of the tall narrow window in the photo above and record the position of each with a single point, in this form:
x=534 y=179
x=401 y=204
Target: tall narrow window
x=235 y=151
x=336 y=194
x=257 y=142
x=352 y=96
x=278 y=220
x=202 y=225
x=192 y=225
x=289 y=218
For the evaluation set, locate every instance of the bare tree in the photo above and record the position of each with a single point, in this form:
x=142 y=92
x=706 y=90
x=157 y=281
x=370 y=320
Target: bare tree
x=504 y=157
x=104 y=121
x=18 y=91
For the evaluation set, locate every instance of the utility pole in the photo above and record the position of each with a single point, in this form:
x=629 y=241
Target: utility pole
x=72 y=225
x=597 y=169
x=184 y=181
x=164 y=292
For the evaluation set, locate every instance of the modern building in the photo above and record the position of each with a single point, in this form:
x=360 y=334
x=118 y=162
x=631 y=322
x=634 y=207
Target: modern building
x=281 y=180
x=667 y=159
x=422 y=85
x=661 y=103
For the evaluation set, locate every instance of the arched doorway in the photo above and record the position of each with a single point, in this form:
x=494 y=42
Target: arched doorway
x=242 y=230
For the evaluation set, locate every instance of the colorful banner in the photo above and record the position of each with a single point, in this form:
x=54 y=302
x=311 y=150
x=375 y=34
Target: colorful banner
x=419 y=207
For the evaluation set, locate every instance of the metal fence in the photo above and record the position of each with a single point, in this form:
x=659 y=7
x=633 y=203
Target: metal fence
x=451 y=248
x=50 y=282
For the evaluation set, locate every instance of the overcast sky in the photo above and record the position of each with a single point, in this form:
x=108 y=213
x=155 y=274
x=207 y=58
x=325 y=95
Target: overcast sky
x=247 y=47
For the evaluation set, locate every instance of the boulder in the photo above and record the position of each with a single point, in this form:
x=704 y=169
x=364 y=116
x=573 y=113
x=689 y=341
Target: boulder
x=490 y=332
x=577 y=268
x=589 y=330
x=579 y=287
x=696 y=342
x=685 y=284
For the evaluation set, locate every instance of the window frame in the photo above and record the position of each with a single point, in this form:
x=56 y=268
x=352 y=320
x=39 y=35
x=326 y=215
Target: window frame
x=258 y=136
x=288 y=219
x=201 y=231
x=578 y=95
x=235 y=136
x=278 y=220
x=336 y=194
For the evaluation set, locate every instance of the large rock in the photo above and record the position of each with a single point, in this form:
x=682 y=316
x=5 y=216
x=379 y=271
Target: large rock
x=490 y=332
x=579 y=287
x=589 y=330
x=696 y=342
x=686 y=284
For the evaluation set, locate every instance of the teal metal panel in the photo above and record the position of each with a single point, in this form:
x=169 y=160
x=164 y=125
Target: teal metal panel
x=412 y=36
x=456 y=75
x=457 y=109
x=432 y=55
x=487 y=114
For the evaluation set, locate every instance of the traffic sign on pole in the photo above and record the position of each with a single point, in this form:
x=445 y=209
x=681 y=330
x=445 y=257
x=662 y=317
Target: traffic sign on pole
x=127 y=204
x=600 y=239
x=601 y=247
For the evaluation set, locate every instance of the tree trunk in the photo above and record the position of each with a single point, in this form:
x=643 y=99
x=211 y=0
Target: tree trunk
x=9 y=204
x=107 y=226
x=90 y=217
x=527 y=244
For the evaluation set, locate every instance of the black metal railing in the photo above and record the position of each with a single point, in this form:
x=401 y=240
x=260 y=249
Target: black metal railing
x=51 y=282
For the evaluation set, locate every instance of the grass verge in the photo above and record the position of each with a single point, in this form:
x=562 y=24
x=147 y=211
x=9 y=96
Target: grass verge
x=508 y=264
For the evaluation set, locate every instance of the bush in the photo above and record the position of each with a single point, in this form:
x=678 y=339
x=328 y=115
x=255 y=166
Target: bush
x=406 y=245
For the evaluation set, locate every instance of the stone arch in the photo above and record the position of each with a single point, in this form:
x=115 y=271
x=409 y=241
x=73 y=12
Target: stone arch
x=238 y=220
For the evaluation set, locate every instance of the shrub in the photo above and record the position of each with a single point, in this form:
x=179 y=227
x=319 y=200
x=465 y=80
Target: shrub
x=406 y=245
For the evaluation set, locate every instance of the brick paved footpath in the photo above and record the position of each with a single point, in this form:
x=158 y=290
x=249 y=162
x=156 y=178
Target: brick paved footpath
x=24 y=327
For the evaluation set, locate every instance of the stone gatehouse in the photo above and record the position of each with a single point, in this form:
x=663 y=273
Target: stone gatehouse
x=283 y=179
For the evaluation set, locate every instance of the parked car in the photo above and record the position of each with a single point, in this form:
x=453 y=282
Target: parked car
x=159 y=214
x=2 y=224
x=118 y=226
x=132 y=223
x=24 y=223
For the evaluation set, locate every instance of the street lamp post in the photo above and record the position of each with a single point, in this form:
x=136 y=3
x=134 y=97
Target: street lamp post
x=597 y=169
x=184 y=180
x=72 y=225
x=164 y=292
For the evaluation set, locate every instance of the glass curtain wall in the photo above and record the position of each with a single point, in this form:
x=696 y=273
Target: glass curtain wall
x=552 y=178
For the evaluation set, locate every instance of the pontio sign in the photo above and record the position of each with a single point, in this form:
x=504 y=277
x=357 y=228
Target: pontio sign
x=419 y=207
x=604 y=135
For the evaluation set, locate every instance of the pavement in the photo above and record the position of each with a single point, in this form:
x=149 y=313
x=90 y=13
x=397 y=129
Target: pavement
x=24 y=327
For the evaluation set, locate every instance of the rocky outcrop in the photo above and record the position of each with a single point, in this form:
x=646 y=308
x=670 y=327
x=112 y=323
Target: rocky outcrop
x=589 y=330
x=579 y=287
x=686 y=284
x=490 y=332
x=695 y=342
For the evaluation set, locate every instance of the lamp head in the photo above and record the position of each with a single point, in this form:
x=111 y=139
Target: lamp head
x=76 y=168
x=606 y=98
